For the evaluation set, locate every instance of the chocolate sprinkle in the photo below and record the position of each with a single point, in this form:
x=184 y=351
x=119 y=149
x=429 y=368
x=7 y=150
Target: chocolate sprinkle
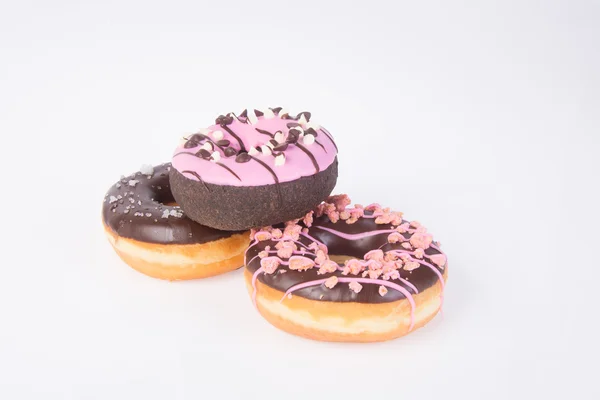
x=264 y=132
x=258 y=113
x=293 y=136
x=229 y=151
x=243 y=158
x=203 y=153
x=276 y=109
x=311 y=131
x=281 y=147
x=194 y=140
x=273 y=142
x=292 y=124
x=223 y=143
x=224 y=120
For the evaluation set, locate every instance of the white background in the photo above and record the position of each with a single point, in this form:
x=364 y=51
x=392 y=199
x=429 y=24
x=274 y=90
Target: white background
x=479 y=119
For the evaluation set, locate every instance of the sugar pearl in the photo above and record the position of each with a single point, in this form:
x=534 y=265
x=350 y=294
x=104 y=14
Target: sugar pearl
x=216 y=156
x=308 y=139
x=279 y=160
x=266 y=150
x=253 y=151
x=269 y=114
x=218 y=135
x=279 y=137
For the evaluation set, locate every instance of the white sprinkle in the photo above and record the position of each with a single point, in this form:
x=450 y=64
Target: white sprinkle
x=269 y=114
x=139 y=203
x=252 y=118
x=302 y=120
x=266 y=150
x=118 y=185
x=218 y=135
x=126 y=211
x=253 y=151
x=215 y=156
x=131 y=200
x=165 y=214
x=308 y=139
x=176 y=213
x=148 y=215
x=207 y=146
x=138 y=214
x=282 y=112
x=159 y=187
x=271 y=145
x=112 y=199
x=279 y=137
x=279 y=160
x=147 y=169
x=119 y=197
x=133 y=182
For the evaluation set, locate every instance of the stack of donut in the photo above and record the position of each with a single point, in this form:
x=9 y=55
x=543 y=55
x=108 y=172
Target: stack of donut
x=254 y=190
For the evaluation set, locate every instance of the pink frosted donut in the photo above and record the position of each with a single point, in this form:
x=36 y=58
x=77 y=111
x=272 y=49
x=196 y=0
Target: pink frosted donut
x=254 y=169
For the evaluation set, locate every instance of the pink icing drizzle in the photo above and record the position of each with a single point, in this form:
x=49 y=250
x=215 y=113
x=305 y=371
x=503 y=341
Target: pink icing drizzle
x=355 y=236
x=392 y=285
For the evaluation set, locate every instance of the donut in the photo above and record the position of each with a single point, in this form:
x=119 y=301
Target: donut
x=154 y=236
x=254 y=169
x=346 y=274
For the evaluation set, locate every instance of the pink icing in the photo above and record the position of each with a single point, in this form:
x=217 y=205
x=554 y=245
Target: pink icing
x=252 y=173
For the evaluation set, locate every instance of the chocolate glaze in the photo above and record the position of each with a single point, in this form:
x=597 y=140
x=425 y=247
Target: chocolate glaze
x=422 y=277
x=148 y=196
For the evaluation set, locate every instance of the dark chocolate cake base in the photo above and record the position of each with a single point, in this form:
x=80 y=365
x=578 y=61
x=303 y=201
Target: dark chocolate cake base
x=245 y=207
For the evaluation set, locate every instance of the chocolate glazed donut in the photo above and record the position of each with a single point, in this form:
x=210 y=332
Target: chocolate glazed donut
x=346 y=274
x=255 y=169
x=154 y=236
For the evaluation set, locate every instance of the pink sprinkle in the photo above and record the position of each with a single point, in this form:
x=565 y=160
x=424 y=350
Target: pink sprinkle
x=373 y=207
x=421 y=229
x=293 y=231
x=438 y=259
x=403 y=228
x=411 y=265
x=300 y=263
x=321 y=257
x=270 y=264
x=331 y=282
x=276 y=233
x=340 y=201
x=415 y=224
x=344 y=215
x=262 y=235
x=308 y=219
x=355 y=266
x=374 y=274
x=389 y=256
x=327 y=267
x=382 y=291
x=374 y=255
x=383 y=219
x=285 y=252
x=395 y=237
x=355 y=286
x=421 y=240
x=406 y=245
x=419 y=253
x=263 y=254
